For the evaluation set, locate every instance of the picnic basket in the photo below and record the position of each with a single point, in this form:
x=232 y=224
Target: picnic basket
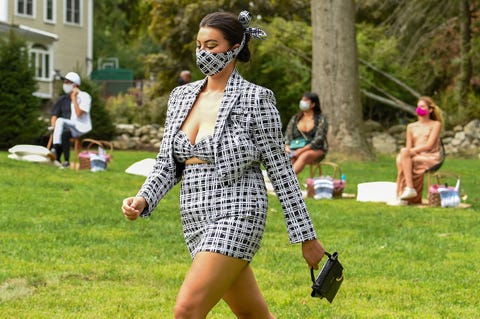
x=104 y=150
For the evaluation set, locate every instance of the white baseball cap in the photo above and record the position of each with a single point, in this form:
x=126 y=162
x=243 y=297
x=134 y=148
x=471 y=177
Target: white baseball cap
x=72 y=77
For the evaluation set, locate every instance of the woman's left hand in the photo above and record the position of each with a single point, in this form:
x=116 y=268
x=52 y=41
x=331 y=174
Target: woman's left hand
x=313 y=252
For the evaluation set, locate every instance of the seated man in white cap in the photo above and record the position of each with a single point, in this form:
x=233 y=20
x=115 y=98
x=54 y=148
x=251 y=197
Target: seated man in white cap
x=79 y=122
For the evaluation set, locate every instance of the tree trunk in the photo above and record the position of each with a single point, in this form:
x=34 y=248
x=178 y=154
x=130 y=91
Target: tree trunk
x=335 y=75
x=465 y=60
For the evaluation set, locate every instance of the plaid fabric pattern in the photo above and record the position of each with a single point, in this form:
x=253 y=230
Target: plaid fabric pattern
x=247 y=134
x=244 y=18
x=226 y=220
x=256 y=33
x=211 y=63
x=183 y=148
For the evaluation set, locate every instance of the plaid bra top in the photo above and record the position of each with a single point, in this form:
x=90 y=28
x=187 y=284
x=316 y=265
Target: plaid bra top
x=183 y=149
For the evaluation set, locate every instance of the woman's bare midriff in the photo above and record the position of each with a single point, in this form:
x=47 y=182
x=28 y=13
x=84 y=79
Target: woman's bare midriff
x=194 y=160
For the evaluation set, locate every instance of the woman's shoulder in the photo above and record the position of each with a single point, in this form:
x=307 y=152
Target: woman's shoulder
x=258 y=96
x=248 y=87
x=436 y=124
x=190 y=86
x=258 y=89
x=414 y=125
x=421 y=126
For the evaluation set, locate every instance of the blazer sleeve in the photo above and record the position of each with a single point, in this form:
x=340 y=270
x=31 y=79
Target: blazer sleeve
x=166 y=172
x=270 y=141
x=319 y=141
x=289 y=131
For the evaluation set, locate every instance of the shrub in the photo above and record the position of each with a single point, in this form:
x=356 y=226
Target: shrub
x=122 y=108
x=19 y=108
x=103 y=128
x=455 y=114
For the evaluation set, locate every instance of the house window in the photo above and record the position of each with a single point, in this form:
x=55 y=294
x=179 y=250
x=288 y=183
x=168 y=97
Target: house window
x=25 y=8
x=40 y=61
x=73 y=12
x=50 y=11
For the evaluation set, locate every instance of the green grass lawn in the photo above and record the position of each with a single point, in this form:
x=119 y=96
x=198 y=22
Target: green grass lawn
x=68 y=252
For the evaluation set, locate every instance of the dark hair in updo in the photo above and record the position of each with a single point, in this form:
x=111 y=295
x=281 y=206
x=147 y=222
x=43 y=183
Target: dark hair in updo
x=232 y=30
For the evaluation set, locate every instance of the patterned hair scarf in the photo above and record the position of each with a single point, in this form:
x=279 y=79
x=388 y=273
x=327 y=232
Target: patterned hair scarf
x=244 y=18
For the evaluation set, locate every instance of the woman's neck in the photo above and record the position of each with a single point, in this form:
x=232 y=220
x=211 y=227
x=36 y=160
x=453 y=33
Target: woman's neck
x=308 y=113
x=218 y=82
x=424 y=119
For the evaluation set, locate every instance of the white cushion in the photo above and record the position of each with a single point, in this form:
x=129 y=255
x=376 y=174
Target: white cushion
x=143 y=167
x=25 y=149
x=30 y=158
x=377 y=192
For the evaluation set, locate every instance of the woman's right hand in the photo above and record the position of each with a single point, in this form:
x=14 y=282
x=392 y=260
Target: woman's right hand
x=133 y=206
x=313 y=252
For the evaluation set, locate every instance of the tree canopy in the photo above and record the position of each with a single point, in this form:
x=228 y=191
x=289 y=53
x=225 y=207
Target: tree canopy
x=121 y=31
x=405 y=48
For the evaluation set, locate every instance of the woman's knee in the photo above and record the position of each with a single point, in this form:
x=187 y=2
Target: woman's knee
x=312 y=156
x=398 y=161
x=188 y=309
x=404 y=152
x=256 y=313
x=403 y=156
x=181 y=311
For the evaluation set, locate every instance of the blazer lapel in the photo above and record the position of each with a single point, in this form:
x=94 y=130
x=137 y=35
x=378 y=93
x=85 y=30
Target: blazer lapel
x=183 y=105
x=231 y=95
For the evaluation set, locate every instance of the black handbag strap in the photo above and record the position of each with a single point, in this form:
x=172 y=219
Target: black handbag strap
x=312 y=274
x=304 y=136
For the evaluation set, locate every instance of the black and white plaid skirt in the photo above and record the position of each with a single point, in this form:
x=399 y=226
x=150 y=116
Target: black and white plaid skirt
x=226 y=220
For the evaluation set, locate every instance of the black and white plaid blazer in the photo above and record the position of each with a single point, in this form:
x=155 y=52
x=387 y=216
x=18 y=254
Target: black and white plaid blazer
x=248 y=133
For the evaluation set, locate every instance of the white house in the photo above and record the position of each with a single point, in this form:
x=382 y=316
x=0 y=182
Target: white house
x=59 y=34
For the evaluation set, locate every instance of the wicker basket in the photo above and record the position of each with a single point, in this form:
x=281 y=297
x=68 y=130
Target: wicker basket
x=84 y=156
x=434 y=198
x=433 y=194
x=316 y=171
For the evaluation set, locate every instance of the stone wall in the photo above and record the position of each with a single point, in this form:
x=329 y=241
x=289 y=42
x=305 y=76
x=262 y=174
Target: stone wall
x=463 y=141
x=137 y=137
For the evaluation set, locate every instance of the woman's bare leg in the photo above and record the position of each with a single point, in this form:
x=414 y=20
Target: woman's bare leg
x=245 y=299
x=210 y=277
x=399 y=174
x=306 y=158
x=406 y=162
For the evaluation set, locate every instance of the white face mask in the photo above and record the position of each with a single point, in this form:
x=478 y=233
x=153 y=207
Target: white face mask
x=67 y=88
x=304 y=105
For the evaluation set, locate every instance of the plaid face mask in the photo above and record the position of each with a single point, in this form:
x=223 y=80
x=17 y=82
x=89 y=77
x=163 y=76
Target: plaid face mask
x=212 y=63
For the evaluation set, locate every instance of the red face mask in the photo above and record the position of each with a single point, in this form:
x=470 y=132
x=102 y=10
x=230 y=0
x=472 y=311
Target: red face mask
x=421 y=112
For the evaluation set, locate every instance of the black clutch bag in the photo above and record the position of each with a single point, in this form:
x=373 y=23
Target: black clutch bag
x=329 y=280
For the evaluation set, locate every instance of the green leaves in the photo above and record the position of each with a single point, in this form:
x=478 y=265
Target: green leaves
x=19 y=109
